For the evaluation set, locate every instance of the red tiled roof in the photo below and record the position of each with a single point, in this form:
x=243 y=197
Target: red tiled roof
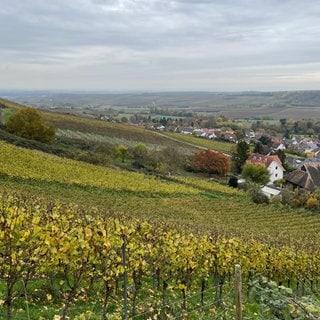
x=262 y=159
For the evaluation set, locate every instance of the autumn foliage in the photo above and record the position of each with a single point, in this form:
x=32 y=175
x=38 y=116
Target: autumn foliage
x=28 y=123
x=211 y=162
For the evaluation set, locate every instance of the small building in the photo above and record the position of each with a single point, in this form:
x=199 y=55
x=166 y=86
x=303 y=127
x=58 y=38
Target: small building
x=160 y=128
x=270 y=191
x=188 y=130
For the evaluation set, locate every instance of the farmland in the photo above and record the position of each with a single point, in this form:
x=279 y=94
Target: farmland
x=80 y=237
x=260 y=105
x=74 y=193
x=198 y=201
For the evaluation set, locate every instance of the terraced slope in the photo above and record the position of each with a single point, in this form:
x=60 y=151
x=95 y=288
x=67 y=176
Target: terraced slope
x=200 y=205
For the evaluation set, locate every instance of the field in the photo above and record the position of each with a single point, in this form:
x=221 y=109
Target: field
x=205 y=204
x=260 y=105
x=220 y=146
x=179 y=232
x=84 y=241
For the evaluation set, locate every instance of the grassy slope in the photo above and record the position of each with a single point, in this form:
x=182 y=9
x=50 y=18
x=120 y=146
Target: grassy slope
x=190 y=203
x=92 y=130
x=220 y=146
x=207 y=207
x=73 y=126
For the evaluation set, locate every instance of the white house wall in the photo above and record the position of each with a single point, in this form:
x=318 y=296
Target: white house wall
x=276 y=171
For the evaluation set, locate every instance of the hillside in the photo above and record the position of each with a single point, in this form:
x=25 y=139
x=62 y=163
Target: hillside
x=78 y=138
x=38 y=170
x=205 y=205
x=77 y=237
x=66 y=212
x=93 y=140
x=68 y=124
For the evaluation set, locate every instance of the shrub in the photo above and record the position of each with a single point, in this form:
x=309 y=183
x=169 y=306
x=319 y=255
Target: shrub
x=122 y=152
x=286 y=196
x=312 y=203
x=257 y=196
x=28 y=123
x=233 y=182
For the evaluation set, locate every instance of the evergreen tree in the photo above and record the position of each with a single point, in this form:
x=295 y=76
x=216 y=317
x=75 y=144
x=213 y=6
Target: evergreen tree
x=258 y=147
x=239 y=157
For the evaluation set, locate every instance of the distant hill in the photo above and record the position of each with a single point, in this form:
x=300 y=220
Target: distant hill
x=275 y=105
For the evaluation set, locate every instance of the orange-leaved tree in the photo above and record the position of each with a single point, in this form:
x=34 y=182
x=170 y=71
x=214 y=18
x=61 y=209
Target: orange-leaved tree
x=211 y=162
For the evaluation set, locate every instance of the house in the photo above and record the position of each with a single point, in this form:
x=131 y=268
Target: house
x=279 y=146
x=271 y=162
x=188 y=130
x=160 y=127
x=212 y=136
x=208 y=133
x=308 y=145
x=229 y=136
x=314 y=152
x=307 y=176
x=249 y=134
x=292 y=143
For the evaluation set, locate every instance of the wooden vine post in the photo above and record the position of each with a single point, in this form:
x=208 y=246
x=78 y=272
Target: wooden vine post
x=238 y=291
x=125 y=278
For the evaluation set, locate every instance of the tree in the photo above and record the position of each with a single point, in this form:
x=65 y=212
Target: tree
x=211 y=162
x=282 y=156
x=258 y=147
x=283 y=122
x=266 y=140
x=140 y=153
x=256 y=173
x=140 y=150
x=239 y=134
x=122 y=152
x=28 y=123
x=240 y=156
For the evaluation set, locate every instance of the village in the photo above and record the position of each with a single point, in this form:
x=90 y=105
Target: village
x=301 y=170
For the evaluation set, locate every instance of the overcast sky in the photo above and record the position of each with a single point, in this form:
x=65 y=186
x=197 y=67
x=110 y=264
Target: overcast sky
x=202 y=45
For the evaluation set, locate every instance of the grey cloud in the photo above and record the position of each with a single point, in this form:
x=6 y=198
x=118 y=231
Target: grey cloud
x=155 y=37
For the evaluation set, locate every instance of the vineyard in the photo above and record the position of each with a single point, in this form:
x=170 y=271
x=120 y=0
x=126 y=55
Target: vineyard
x=130 y=244
x=200 y=203
x=81 y=241
x=60 y=256
x=41 y=166
x=97 y=131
